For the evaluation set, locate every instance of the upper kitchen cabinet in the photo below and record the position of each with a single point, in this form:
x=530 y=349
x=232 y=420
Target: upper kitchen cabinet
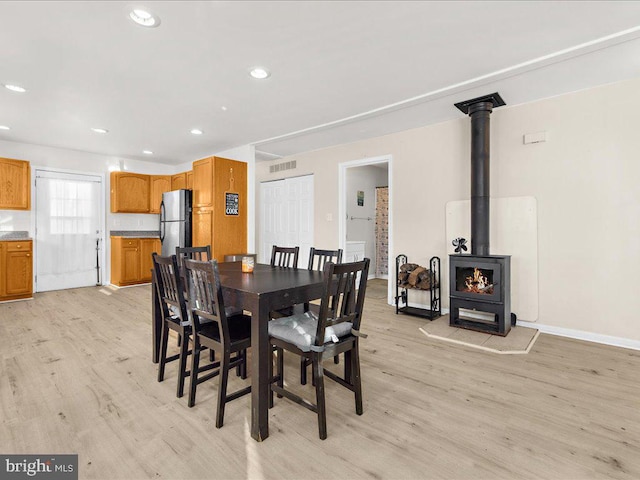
x=130 y=192
x=179 y=181
x=15 y=184
x=189 y=179
x=203 y=182
x=159 y=185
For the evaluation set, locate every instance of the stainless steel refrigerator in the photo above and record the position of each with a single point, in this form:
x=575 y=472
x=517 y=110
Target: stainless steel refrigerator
x=175 y=221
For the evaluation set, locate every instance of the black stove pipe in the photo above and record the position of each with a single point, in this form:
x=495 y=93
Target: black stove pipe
x=479 y=109
x=480 y=177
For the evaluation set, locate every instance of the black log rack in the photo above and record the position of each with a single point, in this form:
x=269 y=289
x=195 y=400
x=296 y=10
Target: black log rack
x=402 y=293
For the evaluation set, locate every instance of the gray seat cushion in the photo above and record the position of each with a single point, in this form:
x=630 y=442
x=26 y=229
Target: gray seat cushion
x=300 y=329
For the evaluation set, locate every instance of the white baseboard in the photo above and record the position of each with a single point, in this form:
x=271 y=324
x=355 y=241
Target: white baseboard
x=582 y=335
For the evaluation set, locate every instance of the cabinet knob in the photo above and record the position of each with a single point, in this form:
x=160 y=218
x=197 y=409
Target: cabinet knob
x=18 y=246
x=28 y=254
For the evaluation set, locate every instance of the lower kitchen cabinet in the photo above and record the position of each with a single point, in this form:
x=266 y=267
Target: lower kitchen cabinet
x=16 y=269
x=131 y=262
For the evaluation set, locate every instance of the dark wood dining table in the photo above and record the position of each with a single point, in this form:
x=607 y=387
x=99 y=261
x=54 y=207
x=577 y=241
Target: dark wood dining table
x=263 y=291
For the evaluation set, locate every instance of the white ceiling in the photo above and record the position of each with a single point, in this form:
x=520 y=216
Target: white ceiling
x=341 y=71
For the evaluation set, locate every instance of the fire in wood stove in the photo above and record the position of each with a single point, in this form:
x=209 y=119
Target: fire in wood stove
x=474 y=280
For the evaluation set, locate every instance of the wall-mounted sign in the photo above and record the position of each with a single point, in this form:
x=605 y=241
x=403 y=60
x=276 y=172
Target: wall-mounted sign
x=360 y=198
x=232 y=204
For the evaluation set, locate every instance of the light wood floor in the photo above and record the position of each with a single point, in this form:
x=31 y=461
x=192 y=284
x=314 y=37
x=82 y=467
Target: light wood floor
x=76 y=377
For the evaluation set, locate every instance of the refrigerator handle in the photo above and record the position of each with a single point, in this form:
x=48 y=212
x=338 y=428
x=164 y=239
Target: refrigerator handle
x=162 y=224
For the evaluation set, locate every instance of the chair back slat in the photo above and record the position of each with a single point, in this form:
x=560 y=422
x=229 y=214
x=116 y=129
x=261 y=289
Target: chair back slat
x=343 y=298
x=319 y=258
x=170 y=287
x=284 y=256
x=205 y=295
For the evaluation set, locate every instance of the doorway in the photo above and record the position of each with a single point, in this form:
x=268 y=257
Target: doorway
x=68 y=230
x=365 y=211
x=287 y=216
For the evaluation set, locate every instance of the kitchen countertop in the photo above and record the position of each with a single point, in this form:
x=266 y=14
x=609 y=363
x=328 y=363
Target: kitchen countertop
x=135 y=233
x=15 y=235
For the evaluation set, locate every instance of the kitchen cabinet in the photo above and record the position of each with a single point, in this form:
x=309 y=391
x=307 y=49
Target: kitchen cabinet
x=159 y=185
x=220 y=206
x=203 y=182
x=15 y=184
x=130 y=192
x=189 y=180
x=131 y=259
x=147 y=247
x=179 y=181
x=16 y=269
x=202 y=227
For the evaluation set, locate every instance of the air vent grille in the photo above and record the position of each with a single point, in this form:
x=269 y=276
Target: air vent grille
x=280 y=167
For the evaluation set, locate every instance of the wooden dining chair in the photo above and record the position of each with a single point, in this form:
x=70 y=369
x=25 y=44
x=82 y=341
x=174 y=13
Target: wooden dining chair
x=284 y=256
x=334 y=331
x=230 y=337
x=317 y=260
x=175 y=316
x=193 y=253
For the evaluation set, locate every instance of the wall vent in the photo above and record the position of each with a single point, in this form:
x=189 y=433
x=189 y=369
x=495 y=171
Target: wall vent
x=279 y=167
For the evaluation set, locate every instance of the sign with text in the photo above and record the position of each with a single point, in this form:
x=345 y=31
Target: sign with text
x=232 y=204
x=48 y=466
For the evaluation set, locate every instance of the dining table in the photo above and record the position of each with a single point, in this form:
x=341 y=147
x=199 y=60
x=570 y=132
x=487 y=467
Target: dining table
x=260 y=292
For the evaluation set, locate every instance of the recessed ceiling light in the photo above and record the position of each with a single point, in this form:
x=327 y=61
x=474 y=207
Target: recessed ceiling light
x=224 y=109
x=196 y=131
x=147 y=152
x=4 y=127
x=100 y=130
x=260 y=73
x=15 y=88
x=144 y=17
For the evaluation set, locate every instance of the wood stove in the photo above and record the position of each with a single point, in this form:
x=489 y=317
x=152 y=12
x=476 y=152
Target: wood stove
x=480 y=282
x=480 y=293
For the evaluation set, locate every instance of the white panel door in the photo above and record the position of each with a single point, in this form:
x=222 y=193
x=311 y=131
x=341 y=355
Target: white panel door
x=305 y=218
x=271 y=217
x=68 y=230
x=286 y=217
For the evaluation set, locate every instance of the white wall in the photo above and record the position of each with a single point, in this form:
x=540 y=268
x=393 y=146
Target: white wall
x=584 y=178
x=365 y=178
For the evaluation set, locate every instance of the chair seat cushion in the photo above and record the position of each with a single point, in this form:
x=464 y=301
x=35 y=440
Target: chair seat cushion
x=300 y=330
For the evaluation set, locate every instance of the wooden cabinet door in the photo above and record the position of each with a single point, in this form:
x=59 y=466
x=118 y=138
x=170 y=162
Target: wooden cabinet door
x=179 y=181
x=203 y=183
x=129 y=192
x=19 y=268
x=130 y=267
x=202 y=220
x=3 y=269
x=147 y=247
x=189 y=176
x=15 y=184
x=159 y=185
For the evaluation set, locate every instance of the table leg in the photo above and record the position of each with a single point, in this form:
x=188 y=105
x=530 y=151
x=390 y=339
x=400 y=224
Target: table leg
x=260 y=381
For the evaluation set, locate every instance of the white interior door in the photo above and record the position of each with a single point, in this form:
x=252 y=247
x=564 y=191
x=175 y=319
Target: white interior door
x=68 y=230
x=286 y=217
